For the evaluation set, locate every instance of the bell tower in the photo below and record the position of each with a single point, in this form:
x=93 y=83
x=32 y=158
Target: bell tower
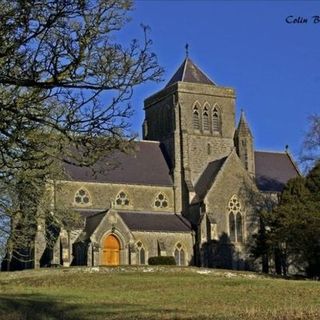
x=194 y=119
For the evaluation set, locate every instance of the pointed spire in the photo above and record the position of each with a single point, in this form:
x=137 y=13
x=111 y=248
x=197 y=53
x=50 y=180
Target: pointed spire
x=243 y=126
x=189 y=72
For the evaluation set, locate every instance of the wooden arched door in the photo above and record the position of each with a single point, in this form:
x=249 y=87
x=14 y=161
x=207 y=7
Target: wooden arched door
x=111 y=251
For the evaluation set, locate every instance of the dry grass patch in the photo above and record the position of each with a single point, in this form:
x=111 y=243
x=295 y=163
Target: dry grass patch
x=154 y=293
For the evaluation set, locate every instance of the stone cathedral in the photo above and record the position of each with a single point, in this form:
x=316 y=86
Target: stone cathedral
x=184 y=192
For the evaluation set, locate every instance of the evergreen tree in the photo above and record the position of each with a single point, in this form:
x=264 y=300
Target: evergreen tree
x=296 y=224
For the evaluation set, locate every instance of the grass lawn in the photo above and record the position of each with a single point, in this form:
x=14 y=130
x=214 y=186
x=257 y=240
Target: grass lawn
x=154 y=293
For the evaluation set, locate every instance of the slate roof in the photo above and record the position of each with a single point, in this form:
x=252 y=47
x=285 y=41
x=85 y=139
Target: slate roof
x=146 y=166
x=88 y=213
x=208 y=176
x=189 y=72
x=92 y=222
x=150 y=221
x=273 y=170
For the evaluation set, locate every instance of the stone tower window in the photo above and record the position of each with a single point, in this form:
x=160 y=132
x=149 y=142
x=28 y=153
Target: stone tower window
x=161 y=201
x=82 y=197
x=196 y=118
x=216 y=120
x=122 y=199
x=246 y=160
x=209 y=148
x=235 y=220
x=179 y=255
x=141 y=253
x=205 y=120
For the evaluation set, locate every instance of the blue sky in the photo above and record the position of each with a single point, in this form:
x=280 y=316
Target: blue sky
x=248 y=45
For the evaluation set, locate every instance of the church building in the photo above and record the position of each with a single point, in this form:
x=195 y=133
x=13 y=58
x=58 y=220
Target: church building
x=186 y=191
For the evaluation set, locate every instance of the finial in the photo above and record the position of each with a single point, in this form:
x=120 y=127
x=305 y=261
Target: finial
x=242 y=116
x=287 y=148
x=187 y=50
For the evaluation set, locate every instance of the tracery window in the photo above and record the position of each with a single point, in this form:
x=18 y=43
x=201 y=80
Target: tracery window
x=161 y=201
x=235 y=220
x=216 y=125
x=141 y=254
x=196 y=118
x=179 y=255
x=122 y=199
x=205 y=120
x=82 y=197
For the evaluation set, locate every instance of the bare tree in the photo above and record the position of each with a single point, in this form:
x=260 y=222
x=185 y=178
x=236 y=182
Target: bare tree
x=65 y=84
x=311 y=146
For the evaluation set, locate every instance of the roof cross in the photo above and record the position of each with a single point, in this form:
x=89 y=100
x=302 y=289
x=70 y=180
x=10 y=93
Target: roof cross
x=187 y=50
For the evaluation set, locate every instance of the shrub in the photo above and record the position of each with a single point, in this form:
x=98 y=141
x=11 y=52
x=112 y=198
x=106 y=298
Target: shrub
x=162 y=260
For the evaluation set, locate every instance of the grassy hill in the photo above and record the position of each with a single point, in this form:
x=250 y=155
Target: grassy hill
x=154 y=293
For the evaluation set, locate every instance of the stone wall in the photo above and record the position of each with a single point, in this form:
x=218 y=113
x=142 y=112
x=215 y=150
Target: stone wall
x=192 y=149
x=231 y=180
x=154 y=243
x=164 y=243
x=103 y=195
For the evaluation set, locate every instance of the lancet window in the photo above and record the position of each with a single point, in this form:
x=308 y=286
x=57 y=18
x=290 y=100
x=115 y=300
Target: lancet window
x=235 y=220
x=205 y=119
x=141 y=253
x=179 y=255
x=216 y=121
x=196 y=118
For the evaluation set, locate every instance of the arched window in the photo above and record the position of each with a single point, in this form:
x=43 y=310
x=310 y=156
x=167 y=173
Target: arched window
x=141 y=253
x=161 y=201
x=216 y=125
x=179 y=255
x=235 y=220
x=196 y=118
x=205 y=120
x=82 y=197
x=232 y=227
x=239 y=227
x=122 y=199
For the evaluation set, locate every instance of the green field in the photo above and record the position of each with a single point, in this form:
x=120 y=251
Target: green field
x=154 y=293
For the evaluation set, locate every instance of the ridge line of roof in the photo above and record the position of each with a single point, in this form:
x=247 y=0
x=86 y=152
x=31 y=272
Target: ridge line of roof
x=270 y=151
x=151 y=141
x=182 y=220
x=120 y=183
x=293 y=163
x=97 y=213
x=209 y=78
x=223 y=165
x=184 y=67
x=215 y=178
x=163 y=231
x=145 y=212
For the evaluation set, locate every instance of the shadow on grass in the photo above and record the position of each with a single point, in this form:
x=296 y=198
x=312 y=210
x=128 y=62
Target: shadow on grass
x=43 y=307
